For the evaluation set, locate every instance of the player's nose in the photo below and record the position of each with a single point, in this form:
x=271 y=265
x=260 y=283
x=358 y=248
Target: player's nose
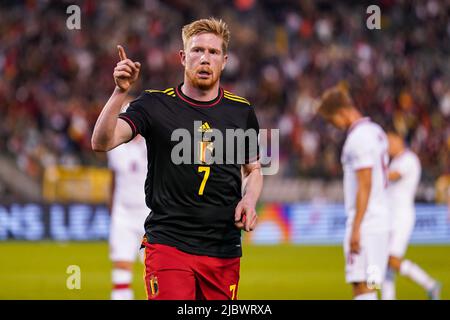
x=204 y=59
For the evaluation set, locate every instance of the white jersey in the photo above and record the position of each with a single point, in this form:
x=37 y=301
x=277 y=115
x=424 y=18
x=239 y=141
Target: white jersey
x=366 y=147
x=129 y=163
x=129 y=211
x=402 y=192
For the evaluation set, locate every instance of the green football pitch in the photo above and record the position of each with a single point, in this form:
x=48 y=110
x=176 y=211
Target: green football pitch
x=39 y=271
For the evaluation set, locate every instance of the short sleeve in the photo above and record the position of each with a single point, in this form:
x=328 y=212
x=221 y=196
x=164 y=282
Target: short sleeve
x=252 y=143
x=362 y=153
x=407 y=166
x=137 y=115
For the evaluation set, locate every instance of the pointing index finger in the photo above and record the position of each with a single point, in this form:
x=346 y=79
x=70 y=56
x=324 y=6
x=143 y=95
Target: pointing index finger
x=122 y=53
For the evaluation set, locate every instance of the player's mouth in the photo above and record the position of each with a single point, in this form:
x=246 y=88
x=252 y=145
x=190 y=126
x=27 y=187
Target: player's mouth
x=204 y=74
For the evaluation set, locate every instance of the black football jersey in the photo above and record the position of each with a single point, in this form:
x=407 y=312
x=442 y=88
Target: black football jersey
x=193 y=200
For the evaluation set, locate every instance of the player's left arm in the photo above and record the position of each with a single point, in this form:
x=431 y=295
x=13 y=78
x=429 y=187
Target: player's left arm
x=364 y=180
x=245 y=214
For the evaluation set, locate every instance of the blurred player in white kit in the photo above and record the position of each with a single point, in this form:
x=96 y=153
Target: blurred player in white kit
x=364 y=159
x=404 y=177
x=129 y=211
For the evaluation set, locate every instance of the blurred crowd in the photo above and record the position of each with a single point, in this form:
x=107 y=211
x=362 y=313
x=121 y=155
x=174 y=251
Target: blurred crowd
x=283 y=54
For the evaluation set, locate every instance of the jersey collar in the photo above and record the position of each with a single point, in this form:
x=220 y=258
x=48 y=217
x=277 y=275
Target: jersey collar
x=198 y=103
x=357 y=123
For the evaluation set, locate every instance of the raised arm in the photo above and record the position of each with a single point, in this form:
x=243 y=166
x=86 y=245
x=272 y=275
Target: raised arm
x=109 y=130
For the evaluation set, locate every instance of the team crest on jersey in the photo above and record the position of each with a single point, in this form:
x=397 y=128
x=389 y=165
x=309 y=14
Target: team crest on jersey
x=154 y=286
x=206 y=147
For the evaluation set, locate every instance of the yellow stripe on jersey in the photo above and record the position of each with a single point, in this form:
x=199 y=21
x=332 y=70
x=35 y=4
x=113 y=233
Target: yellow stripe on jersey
x=168 y=91
x=236 y=99
x=232 y=95
x=229 y=95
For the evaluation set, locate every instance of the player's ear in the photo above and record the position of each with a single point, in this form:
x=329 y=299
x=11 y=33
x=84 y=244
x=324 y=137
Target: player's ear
x=225 y=59
x=183 y=58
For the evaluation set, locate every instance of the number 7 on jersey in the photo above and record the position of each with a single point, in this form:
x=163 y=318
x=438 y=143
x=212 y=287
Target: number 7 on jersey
x=206 y=170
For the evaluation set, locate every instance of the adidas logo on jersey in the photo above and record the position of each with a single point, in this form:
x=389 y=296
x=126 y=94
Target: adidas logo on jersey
x=205 y=127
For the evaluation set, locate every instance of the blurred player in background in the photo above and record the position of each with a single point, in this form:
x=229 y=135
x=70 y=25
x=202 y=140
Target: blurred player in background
x=404 y=177
x=129 y=165
x=364 y=160
x=193 y=233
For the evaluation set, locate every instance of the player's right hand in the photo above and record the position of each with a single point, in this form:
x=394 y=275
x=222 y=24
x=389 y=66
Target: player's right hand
x=126 y=71
x=245 y=217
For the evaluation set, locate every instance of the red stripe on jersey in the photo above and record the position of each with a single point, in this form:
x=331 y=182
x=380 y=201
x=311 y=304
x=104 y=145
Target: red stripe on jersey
x=130 y=122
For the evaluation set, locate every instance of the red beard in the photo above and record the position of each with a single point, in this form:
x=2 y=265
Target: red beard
x=202 y=84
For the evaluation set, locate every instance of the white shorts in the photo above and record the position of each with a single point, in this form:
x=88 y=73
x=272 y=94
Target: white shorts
x=399 y=236
x=370 y=264
x=126 y=233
